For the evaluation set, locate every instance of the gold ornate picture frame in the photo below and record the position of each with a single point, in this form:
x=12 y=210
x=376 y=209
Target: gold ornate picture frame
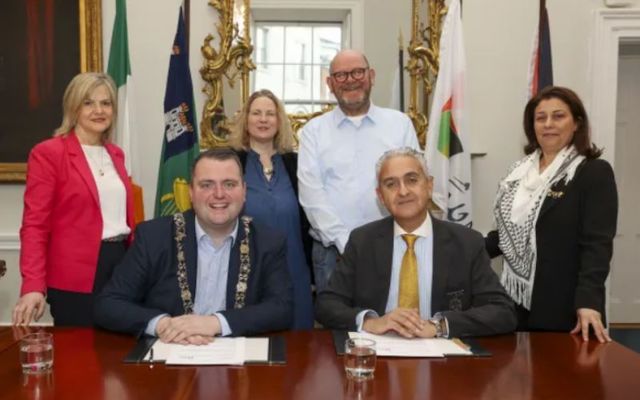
x=226 y=60
x=89 y=14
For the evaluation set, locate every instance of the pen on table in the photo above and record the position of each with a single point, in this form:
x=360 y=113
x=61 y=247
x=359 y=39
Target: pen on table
x=151 y=356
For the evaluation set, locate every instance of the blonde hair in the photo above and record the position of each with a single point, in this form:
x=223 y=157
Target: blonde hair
x=239 y=136
x=78 y=90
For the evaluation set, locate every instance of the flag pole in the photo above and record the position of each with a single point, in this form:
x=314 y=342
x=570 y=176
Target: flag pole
x=401 y=65
x=187 y=21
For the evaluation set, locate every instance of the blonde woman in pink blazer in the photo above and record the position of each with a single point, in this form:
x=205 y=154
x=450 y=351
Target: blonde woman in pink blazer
x=78 y=209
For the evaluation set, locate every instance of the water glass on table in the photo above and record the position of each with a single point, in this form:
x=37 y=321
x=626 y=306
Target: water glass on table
x=359 y=358
x=36 y=352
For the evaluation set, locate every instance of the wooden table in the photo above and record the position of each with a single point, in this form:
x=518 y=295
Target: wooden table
x=7 y=338
x=88 y=365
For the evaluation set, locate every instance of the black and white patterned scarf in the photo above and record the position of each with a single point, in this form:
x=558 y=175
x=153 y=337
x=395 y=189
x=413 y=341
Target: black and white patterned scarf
x=518 y=202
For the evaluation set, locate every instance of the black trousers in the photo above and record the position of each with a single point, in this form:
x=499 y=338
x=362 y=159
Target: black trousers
x=76 y=309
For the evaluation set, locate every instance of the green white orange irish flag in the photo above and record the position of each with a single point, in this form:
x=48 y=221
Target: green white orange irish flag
x=120 y=70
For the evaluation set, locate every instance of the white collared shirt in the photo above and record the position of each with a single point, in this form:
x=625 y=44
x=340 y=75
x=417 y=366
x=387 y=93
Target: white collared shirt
x=336 y=169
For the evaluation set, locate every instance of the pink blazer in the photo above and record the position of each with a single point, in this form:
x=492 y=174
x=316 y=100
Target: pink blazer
x=61 y=228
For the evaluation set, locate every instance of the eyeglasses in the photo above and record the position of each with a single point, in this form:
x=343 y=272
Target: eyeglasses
x=356 y=74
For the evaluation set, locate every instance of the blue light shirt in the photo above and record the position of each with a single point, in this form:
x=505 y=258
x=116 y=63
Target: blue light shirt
x=423 y=248
x=211 y=280
x=336 y=169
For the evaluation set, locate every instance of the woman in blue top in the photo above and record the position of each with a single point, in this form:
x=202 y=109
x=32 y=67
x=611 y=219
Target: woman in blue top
x=263 y=138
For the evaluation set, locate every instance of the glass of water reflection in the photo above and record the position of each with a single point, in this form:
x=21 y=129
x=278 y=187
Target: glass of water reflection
x=359 y=358
x=36 y=352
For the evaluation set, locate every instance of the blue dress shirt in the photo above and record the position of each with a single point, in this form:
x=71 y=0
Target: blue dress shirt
x=336 y=169
x=211 y=280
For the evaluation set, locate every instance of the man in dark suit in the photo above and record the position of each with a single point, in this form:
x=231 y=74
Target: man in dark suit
x=202 y=273
x=413 y=274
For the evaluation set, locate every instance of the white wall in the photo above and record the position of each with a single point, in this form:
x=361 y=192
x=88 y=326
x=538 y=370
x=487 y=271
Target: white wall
x=383 y=21
x=498 y=38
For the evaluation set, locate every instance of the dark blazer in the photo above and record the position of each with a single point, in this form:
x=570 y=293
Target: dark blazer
x=465 y=288
x=145 y=283
x=291 y=165
x=574 y=236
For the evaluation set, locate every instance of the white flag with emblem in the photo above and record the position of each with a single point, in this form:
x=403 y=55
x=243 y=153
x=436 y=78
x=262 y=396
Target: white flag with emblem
x=447 y=147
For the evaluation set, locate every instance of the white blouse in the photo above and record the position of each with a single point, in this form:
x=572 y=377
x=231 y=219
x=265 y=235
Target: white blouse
x=111 y=191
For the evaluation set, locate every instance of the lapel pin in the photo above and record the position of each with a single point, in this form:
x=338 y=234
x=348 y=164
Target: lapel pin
x=555 y=195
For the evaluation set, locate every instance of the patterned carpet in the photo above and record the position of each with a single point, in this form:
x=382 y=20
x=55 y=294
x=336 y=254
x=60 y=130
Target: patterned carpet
x=629 y=338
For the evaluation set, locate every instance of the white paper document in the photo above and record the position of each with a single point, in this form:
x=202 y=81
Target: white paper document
x=222 y=351
x=397 y=346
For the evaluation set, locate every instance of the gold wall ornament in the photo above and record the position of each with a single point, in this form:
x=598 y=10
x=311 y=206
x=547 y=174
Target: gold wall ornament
x=230 y=61
x=298 y=120
x=424 y=54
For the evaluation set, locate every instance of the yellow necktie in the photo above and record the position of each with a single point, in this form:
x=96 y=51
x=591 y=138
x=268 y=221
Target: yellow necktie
x=408 y=295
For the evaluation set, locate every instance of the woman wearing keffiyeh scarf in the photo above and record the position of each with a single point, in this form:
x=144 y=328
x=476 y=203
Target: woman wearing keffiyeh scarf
x=555 y=213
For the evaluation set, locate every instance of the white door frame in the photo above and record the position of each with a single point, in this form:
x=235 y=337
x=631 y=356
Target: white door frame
x=611 y=26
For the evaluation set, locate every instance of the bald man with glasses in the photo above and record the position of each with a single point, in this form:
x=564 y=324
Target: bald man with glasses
x=337 y=156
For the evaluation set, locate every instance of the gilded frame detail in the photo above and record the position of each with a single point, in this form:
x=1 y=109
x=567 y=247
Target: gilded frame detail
x=231 y=60
x=424 y=59
x=90 y=43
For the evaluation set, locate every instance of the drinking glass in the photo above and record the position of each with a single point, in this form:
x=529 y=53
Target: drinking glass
x=359 y=358
x=36 y=352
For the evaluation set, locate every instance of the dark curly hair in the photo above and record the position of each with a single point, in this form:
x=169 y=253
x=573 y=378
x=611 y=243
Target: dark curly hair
x=582 y=136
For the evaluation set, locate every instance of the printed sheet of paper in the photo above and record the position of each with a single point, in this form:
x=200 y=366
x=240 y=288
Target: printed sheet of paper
x=397 y=346
x=222 y=351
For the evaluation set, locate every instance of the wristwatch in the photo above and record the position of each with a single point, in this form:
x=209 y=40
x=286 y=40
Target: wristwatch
x=440 y=323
